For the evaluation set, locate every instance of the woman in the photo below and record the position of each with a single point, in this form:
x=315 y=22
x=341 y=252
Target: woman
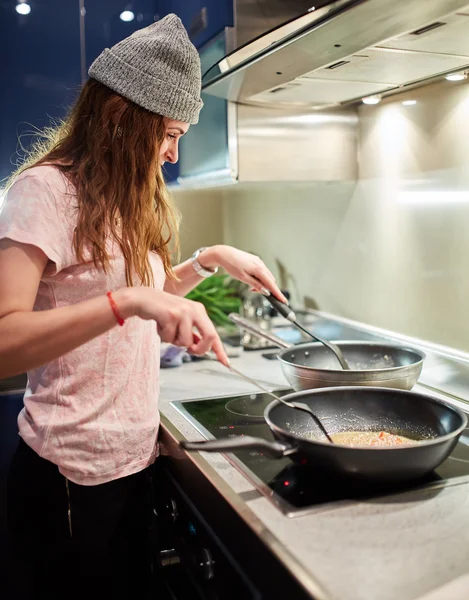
x=87 y=293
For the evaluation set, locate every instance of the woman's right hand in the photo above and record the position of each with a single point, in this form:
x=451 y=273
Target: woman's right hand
x=176 y=319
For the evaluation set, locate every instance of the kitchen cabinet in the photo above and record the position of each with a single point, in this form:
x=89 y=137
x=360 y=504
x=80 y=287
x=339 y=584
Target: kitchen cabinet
x=203 y=19
x=204 y=549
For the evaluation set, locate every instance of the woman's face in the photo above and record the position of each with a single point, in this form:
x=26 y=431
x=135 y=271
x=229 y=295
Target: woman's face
x=169 y=149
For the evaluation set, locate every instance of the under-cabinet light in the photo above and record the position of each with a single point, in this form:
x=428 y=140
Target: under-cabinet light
x=371 y=100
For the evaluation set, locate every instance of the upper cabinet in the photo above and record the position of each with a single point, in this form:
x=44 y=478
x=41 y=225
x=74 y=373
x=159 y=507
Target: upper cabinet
x=203 y=19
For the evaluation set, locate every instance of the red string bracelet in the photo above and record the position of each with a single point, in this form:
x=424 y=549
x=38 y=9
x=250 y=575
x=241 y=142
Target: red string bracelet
x=115 y=310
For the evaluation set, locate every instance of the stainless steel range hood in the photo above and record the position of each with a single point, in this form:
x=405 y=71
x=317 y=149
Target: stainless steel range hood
x=340 y=52
x=281 y=107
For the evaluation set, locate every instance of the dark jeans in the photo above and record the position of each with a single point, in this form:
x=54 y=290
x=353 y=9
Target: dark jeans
x=106 y=554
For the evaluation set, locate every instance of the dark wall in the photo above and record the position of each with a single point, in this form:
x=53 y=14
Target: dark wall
x=41 y=70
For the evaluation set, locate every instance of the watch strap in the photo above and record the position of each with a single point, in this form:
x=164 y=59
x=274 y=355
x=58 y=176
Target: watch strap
x=198 y=268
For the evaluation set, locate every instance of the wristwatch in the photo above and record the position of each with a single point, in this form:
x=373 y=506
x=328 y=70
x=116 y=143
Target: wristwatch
x=198 y=268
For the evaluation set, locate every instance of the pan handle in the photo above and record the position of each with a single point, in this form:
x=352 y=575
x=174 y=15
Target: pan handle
x=249 y=326
x=245 y=442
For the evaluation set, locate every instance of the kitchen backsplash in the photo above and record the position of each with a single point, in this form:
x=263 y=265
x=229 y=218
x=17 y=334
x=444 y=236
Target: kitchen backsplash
x=391 y=249
x=202 y=219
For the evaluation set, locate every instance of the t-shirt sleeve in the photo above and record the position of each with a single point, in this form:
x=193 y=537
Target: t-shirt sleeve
x=32 y=214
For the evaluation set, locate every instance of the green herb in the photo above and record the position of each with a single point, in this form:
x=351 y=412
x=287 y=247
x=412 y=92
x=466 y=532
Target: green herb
x=218 y=294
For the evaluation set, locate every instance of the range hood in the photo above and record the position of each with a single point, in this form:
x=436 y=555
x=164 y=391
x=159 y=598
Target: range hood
x=342 y=51
x=282 y=106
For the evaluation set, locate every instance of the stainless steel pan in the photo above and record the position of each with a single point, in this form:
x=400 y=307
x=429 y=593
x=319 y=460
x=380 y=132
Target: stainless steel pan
x=311 y=365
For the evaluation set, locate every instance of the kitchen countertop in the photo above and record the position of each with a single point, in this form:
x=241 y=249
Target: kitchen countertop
x=400 y=547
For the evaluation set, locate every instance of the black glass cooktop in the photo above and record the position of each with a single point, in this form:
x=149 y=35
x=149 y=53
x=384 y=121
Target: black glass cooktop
x=289 y=486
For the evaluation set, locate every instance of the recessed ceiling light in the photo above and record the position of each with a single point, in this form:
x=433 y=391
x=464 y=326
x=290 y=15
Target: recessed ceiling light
x=127 y=16
x=456 y=77
x=409 y=102
x=23 y=8
x=371 y=100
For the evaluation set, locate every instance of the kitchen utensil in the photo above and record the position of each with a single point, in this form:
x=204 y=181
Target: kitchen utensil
x=341 y=409
x=310 y=365
x=287 y=312
x=257 y=309
x=296 y=405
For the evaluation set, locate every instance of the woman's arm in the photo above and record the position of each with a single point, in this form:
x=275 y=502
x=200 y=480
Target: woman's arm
x=241 y=265
x=30 y=339
x=188 y=279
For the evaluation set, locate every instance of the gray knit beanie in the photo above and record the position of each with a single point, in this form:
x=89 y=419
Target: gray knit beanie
x=156 y=67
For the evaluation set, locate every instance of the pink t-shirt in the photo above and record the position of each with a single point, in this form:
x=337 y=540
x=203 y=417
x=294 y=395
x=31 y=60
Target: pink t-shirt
x=94 y=411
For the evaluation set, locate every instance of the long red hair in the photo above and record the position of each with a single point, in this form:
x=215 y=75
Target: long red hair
x=108 y=148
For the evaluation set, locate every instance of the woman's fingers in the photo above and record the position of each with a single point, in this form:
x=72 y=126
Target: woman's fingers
x=262 y=280
x=168 y=332
x=220 y=352
x=184 y=335
x=216 y=346
x=180 y=331
x=207 y=339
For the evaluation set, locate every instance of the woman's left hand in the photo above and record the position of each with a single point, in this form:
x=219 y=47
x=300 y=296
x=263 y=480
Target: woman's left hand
x=243 y=266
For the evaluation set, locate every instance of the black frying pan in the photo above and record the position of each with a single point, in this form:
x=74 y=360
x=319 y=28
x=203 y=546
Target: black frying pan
x=413 y=415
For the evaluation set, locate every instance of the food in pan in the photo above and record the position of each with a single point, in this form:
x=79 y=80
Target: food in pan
x=378 y=439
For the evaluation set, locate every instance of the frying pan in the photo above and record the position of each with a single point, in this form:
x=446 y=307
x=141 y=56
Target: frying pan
x=341 y=409
x=311 y=365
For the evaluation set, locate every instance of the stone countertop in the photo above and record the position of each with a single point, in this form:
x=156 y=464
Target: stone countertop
x=395 y=548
